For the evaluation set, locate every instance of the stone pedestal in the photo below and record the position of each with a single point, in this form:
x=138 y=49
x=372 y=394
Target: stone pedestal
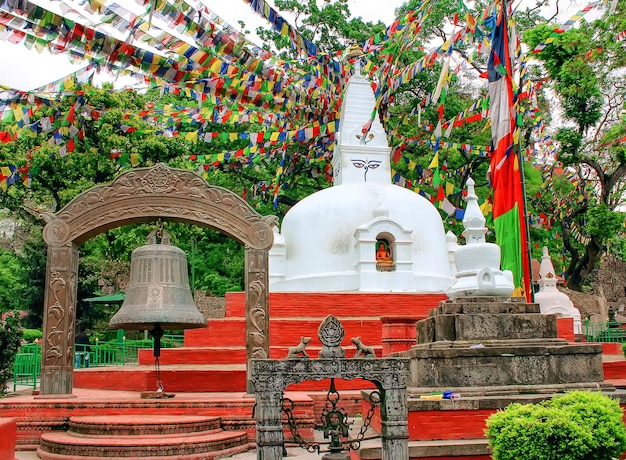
x=490 y=345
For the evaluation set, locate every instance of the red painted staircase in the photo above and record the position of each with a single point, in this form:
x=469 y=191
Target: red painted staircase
x=142 y=437
x=213 y=358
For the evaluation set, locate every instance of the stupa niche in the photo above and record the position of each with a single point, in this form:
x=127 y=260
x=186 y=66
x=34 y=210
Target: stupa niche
x=550 y=299
x=363 y=234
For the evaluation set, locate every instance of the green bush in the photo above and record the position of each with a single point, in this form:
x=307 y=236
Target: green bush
x=30 y=335
x=10 y=339
x=580 y=425
x=624 y=348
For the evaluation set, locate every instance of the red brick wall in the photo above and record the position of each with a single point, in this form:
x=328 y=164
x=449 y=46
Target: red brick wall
x=612 y=348
x=7 y=438
x=565 y=329
x=312 y=304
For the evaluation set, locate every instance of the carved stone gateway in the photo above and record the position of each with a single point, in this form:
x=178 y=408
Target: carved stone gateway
x=136 y=196
x=270 y=378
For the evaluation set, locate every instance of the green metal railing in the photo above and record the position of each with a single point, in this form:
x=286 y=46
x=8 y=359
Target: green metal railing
x=27 y=367
x=613 y=331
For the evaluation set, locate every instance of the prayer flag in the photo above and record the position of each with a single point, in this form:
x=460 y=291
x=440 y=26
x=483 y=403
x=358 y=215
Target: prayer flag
x=505 y=172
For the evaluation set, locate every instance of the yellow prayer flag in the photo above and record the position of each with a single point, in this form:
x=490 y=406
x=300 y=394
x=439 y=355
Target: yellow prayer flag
x=486 y=208
x=216 y=66
x=435 y=162
x=449 y=188
x=192 y=136
x=274 y=136
x=6 y=171
x=134 y=159
x=17 y=113
x=233 y=136
x=412 y=165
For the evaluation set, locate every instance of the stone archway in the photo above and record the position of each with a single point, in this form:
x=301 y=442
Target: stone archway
x=137 y=196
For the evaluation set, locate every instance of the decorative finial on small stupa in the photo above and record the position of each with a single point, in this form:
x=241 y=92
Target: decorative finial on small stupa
x=546 y=271
x=355 y=51
x=473 y=220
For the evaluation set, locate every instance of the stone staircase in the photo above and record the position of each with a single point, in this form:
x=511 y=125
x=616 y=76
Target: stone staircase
x=142 y=437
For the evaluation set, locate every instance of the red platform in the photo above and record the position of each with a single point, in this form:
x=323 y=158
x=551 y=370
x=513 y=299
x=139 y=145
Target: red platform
x=213 y=358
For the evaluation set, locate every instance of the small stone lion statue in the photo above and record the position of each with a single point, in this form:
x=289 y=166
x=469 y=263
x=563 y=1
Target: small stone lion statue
x=300 y=349
x=362 y=350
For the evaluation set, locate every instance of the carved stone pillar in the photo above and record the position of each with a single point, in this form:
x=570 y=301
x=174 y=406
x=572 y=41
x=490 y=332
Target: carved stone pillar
x=269 y=426
x=59 y=319
x=257 y=308
x=395 y=429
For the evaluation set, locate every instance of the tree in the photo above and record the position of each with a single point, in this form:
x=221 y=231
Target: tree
x=10 y=339
x=583 y=65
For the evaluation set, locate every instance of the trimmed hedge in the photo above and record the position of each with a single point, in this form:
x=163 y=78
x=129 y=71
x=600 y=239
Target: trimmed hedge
x=580 y=425
x=29 y=335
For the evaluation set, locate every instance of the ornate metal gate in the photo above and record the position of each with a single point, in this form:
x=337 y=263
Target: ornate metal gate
x=390 y=375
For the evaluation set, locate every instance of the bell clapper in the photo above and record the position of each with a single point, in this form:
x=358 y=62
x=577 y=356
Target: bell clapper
x=156 y=334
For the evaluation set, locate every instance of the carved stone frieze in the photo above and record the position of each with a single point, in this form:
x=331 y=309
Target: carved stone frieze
x=390 y=373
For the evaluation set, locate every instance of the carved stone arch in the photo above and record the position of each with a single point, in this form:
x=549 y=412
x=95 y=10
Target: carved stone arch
x=137 y=196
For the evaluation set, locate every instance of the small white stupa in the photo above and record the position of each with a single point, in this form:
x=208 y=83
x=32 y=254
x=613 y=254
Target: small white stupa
x=478 y=262
x=550 y=299
x=363 y=234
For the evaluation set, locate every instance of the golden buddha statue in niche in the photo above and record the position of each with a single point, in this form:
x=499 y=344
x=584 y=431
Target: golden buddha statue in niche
x=384 y=259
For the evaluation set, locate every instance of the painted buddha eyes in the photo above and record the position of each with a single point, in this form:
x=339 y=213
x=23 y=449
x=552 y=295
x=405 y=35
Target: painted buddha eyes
x=366 y=165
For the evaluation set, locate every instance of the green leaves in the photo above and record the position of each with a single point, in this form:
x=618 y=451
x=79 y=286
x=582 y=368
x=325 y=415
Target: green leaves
x=12 y=282
x=10 y=339
x=603 y=223
x=577 y=426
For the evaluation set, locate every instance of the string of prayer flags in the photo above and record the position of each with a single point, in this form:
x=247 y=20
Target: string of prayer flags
x=565 y=26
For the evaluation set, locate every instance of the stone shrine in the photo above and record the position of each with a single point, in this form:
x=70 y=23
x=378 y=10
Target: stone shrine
x=492 y=345
x=363 y=234
x=550 y=299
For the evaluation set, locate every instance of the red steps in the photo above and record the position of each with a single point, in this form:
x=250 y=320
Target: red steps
x=143 y=437
x=228 y=378
x=302 y=304
x=284 y=332
x=206 y=362
x=223 y=355
x=175 y=378
x=35 y=416
x=615 y=369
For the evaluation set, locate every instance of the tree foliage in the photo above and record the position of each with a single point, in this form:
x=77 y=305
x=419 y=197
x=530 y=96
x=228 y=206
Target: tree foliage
x=10 y=339
x=583 y=68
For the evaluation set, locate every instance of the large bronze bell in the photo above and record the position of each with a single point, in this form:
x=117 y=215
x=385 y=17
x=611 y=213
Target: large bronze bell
x=158 y=294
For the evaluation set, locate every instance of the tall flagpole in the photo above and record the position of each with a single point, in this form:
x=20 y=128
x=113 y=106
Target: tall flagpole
x=520 y=158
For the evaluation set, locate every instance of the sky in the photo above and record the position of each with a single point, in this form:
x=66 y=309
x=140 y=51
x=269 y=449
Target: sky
x=25 y=69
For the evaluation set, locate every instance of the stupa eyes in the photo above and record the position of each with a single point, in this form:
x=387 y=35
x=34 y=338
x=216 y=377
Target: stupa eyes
x=366 y=165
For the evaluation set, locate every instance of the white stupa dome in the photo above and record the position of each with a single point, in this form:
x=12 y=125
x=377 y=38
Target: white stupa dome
x=363 y=233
